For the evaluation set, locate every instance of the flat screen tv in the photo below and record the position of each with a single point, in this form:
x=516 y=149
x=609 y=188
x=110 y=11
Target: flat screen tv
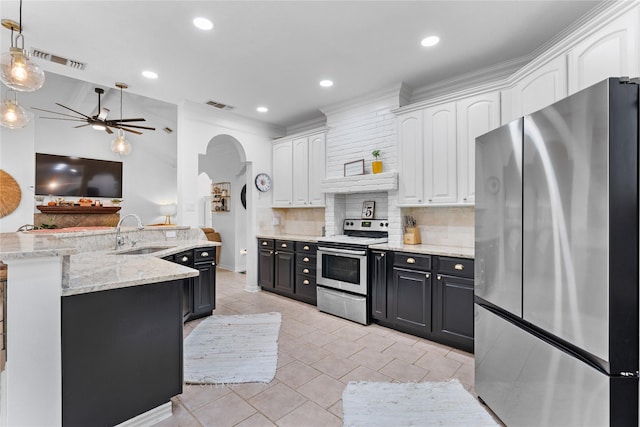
x=76 y=176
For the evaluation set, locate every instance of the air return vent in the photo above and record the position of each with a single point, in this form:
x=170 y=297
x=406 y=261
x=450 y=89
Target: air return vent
x=37 y=53
x=220 y=105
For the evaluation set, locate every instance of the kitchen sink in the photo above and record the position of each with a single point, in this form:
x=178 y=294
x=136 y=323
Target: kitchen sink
x=143 y=251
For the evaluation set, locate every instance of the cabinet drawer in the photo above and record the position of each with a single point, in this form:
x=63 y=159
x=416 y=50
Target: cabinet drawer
x=304 y=247
x=284 y=245
x=205 y=254
x=307 y=260
x=265 y=243
x=412 y=261
x=306 y=269
x=184 y=258
x=305 y=280
x=461 y=267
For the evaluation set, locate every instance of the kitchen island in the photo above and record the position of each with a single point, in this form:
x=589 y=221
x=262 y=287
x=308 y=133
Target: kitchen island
x=74 y=304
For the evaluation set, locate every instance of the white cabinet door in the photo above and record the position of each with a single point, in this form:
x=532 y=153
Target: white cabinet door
x=411 y=165
x=300 y=182
x=317 y=162
x=440 y=151
x=540 y=88
x=475 y=116
x=282 y=173
x=609 y=52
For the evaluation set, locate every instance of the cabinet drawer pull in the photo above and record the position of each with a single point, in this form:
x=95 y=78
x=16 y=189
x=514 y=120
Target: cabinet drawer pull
x=284 y=245
x=459 y=267
x=270 y=252
x=306 y=248
x=411 y=260
x=265 y=243
x=305 y=271
x=305 y=259
x=439 y=277
x=382 y=255
x=428 y=275
x=204 y=254
x=305 y=282
x=276 y=252
x=185 y=259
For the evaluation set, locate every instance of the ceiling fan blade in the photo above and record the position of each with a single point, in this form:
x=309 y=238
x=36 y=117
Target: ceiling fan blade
x=81 y=126
x=139 y=119
x=54 y=112
x=70 y=109
x=104 y=112
x=107 y=130
x=60 y=118
x=128 y=130
x=136 y=127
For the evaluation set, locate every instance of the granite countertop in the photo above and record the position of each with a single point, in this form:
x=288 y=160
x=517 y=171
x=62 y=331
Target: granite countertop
x=452 y=251
x=25 y=245
x=109 y=269
x=293 y=237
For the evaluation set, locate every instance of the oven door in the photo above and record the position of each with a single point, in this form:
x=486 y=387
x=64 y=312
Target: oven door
x=344 y=269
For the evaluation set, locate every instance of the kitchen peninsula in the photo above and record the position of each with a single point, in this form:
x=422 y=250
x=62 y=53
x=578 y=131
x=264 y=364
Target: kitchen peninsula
x=93 y=333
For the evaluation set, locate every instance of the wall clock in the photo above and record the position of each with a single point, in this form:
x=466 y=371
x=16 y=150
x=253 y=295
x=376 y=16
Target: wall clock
x=263 y=182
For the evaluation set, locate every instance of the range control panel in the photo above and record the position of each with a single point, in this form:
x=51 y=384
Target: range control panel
x=366 y=225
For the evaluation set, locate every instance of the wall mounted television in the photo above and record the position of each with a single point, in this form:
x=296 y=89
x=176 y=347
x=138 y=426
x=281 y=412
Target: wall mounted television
x=77 y=176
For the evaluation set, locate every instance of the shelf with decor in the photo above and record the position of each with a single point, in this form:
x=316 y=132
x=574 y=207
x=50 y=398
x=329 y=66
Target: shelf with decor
x=77 y=209
x=221 y=197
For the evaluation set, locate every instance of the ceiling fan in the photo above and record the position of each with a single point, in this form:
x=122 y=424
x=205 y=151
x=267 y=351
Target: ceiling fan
x=99 y=121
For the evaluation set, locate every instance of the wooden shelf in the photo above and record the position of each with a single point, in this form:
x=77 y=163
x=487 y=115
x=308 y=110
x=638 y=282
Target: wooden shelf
x=78 y=209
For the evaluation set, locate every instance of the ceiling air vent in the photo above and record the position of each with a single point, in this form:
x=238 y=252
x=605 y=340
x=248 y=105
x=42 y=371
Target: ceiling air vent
x=37 y=53
x=220 y=105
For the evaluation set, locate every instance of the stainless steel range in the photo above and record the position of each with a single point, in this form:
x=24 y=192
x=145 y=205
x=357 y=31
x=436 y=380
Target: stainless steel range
x=342 y=277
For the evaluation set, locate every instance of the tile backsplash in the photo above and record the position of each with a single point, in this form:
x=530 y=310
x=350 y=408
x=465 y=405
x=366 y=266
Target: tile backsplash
x=303 y=221
x=453 y=226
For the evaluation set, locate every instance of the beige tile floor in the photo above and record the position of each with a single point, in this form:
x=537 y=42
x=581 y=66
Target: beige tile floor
x=318 y=355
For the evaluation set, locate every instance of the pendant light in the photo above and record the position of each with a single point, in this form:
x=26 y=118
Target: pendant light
x=120 y=145
x=12 y=115
x=17 y=71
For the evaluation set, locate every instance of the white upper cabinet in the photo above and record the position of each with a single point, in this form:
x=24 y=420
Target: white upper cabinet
x=283 y=173
x=440 y=151
x=410 y=149
x=540 y=88
x=317 y=165
x=609 y=52
x=476 y=115
x=298 y=169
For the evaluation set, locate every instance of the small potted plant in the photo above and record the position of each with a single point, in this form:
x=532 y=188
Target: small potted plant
x=376 y=165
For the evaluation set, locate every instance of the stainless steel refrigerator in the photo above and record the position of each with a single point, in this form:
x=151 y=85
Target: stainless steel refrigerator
x=556 y=292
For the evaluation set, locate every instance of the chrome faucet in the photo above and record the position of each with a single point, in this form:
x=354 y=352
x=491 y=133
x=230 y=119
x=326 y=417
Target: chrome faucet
x=119 y=238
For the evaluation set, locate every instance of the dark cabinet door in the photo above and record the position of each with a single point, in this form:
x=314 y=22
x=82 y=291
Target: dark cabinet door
x=453 y=311
x=378 y=275
x=266 y=268
x=284 y=271
x=412 y=300
x=204 y=289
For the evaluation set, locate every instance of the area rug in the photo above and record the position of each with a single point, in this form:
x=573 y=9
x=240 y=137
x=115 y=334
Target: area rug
x=233 y=349
x=447 y=403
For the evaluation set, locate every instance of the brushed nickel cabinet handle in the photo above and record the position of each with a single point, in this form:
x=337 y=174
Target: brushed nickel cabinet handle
x=439 y=277
x=428 y=275
x=382 y=255
x=264 y=243
x=305 y=282
x=305 y=259
x=284 y=245
x=459 y=267
x=306 y=270
x=306 y=248
x=276 y=252
x=185 y=259
x=411 y=261
x=204 y=254
x=270 y=252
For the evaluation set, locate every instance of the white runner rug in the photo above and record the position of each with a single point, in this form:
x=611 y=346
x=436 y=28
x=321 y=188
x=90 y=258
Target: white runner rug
x=447 y=404
x=233 y=349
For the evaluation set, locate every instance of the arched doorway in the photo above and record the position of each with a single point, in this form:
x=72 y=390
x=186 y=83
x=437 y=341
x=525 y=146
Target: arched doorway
x=225 y=162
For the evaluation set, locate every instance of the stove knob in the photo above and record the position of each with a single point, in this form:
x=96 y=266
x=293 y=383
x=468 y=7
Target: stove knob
x=382 y=224
x=386 y=224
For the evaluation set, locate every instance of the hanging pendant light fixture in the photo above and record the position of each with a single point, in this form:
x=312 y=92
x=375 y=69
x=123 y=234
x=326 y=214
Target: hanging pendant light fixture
x=12 y=115
x=120 y=145
x=17 y=71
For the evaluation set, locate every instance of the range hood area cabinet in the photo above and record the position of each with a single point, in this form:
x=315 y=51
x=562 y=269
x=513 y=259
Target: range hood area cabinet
x=436 y=147
x=298 y=169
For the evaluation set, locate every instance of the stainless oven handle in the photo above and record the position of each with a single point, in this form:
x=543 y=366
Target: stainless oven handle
x=342 y=251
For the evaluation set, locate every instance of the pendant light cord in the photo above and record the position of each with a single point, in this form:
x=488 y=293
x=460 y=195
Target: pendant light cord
x=20 y=16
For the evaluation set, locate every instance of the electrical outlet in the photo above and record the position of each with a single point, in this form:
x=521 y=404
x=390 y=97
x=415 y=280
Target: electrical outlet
x=171 y=233
x=275 y=221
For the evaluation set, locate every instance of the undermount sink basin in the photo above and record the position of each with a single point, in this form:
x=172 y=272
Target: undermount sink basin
x=144 y=251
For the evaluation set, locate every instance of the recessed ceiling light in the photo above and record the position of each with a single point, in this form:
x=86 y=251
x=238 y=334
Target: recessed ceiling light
x=150 y=74
x=326 y=83
x=430 y=41
x=262 y=109
x=203 y=23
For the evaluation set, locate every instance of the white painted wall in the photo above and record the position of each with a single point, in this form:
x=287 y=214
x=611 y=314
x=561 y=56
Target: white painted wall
x=149 y=172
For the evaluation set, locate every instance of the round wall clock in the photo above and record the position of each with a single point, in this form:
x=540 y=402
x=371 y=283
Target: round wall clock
x=263 y=182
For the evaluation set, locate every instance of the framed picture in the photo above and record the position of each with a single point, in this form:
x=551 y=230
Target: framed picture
x=354 y=168
x=368 y=209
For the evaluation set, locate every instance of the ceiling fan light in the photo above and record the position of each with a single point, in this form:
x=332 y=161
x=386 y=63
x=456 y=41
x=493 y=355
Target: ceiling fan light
x=12 y=115
x=98 y=127
x=20 y=73
x=120 y=145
